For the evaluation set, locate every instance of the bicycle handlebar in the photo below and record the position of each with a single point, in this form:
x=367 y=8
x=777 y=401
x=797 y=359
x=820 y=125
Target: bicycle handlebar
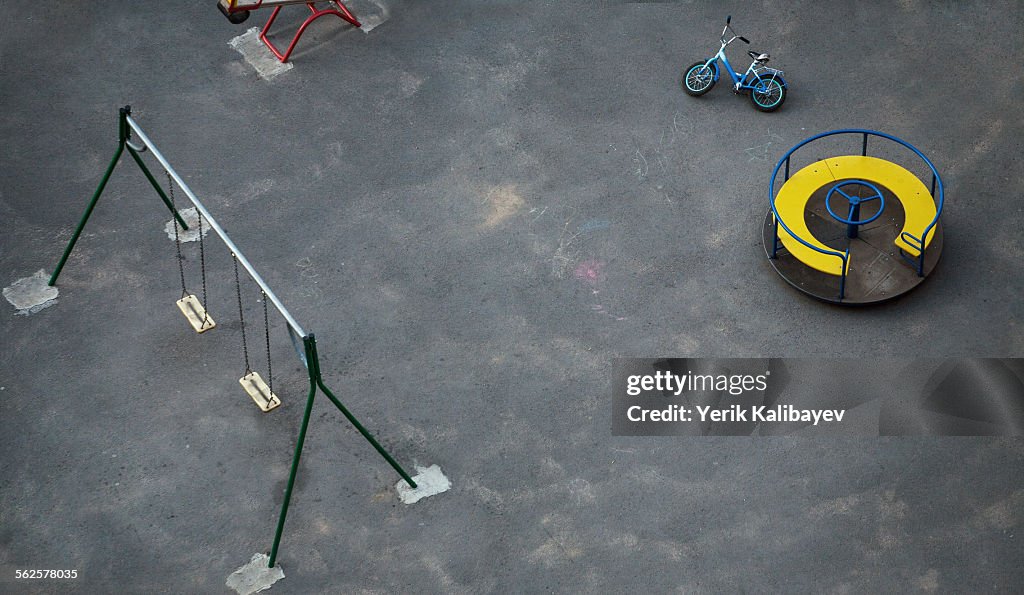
x=727 y=28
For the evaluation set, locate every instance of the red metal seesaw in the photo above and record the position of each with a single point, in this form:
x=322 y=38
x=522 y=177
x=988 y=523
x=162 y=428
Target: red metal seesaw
x=237 y=11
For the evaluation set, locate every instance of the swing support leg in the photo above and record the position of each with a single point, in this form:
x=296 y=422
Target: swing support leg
x=159 y=190
x=315 y=381
x=295 y=458
x=122 y=143
x=88 y=212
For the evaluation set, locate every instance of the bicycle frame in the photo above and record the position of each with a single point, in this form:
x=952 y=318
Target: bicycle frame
x=751 y=79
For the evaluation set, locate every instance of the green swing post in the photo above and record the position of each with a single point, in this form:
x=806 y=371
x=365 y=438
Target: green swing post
x=159 y=190
x=122 y=143
x=316 y=380
x=298 y=452
x=355 y=422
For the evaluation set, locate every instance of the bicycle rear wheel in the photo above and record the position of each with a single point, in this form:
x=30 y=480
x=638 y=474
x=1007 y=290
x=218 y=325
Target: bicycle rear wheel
x=768 y=95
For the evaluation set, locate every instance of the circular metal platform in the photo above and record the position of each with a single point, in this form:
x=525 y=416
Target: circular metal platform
x=877 y=271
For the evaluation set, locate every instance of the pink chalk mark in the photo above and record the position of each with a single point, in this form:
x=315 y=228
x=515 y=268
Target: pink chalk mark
x=590 y=271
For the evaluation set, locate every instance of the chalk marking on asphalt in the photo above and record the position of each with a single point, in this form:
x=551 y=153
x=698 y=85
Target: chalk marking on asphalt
x=594 y=225
x=641 y=163
x=760 y=152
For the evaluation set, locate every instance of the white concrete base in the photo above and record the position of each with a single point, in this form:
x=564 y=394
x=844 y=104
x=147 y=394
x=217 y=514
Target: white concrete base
x=31 y=294
x=370 y=13
x=258 y=55
x=191 y=218
x=254 y=576
x=429 y=482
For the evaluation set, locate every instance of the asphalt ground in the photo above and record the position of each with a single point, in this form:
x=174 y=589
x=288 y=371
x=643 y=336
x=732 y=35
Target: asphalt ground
x=476 y=207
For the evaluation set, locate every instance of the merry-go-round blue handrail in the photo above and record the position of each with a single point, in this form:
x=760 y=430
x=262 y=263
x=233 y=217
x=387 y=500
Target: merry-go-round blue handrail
x=936 y=182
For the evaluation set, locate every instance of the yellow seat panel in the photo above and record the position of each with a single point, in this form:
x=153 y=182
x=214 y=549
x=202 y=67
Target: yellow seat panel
x=790 y=203
x=917 y=201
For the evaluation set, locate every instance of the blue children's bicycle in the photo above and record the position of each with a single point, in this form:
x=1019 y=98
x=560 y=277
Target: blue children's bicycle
x=766 y=86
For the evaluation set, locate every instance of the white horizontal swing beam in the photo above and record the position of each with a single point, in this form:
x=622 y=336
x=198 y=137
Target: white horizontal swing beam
x=293 y=326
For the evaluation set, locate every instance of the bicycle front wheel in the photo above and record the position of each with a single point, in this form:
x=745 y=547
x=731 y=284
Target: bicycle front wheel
x=698 y=79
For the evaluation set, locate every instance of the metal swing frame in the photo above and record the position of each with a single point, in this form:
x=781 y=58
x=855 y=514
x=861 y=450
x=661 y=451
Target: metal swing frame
x=304 y=342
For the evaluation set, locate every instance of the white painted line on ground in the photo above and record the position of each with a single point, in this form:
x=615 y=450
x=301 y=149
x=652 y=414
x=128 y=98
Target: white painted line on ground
x=31 y=294
x=429 y=482
x=258 y=55
x=254 y=576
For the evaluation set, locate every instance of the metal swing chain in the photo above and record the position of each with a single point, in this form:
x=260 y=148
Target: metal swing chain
x=177 y=240
x=241 y=315
x=202 y=268
x=266 y=327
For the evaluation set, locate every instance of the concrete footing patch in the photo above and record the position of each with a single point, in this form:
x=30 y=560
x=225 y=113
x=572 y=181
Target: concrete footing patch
x=191 y=218
x=31 y=294
x=370 y=13
x=254 y=576
x=429 y=482
x=258 y=55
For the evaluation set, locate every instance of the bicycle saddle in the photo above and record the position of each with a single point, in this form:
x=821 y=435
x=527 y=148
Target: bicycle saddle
x=762 y=58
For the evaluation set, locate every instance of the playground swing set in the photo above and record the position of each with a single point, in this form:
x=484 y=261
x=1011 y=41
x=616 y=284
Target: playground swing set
x=195 y=311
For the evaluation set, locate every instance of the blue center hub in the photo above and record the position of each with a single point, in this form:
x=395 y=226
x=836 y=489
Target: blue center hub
x=856 y=193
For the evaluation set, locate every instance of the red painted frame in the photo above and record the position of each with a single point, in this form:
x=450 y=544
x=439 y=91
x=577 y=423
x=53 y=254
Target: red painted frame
x=340 y=12
x=338 y=9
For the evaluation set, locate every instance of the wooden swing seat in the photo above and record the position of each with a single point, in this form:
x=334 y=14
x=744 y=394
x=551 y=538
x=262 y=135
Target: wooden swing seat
x=196 y=314
x=259 y=391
